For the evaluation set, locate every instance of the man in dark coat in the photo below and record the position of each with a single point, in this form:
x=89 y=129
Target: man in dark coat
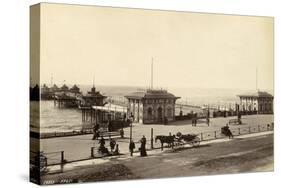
x=142 y=148
x=96 y=131
x=132 y=147
x=112 y=144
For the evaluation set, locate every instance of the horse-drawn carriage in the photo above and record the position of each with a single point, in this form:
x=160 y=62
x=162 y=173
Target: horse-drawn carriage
x=178 y=140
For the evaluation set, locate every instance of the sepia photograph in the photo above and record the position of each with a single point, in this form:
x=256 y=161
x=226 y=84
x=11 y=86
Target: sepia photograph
x=129 y=94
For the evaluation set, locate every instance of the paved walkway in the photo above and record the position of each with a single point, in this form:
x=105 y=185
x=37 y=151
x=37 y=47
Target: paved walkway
x=79 y=147
x=73 y=165
x=248 y=153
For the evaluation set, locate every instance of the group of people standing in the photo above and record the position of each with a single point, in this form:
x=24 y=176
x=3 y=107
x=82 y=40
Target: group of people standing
x=114 y=147
x=142 y=148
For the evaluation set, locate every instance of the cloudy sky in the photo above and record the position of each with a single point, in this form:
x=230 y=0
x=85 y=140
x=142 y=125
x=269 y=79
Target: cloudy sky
x=189 y=49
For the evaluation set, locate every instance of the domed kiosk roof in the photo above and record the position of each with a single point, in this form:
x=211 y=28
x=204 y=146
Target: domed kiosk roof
x=55 y=86
x=75 y=87
x=151 y=94
x=64 y=87
x=256 y=94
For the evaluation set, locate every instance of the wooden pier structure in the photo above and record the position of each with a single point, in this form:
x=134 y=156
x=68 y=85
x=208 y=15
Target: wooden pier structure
x=64 y=100
x=109 y=116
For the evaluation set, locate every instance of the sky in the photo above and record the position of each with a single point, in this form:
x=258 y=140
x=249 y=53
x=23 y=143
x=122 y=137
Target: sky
x=189 y=50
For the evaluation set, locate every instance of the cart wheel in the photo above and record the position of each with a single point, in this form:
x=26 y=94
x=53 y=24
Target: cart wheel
x=195 y=143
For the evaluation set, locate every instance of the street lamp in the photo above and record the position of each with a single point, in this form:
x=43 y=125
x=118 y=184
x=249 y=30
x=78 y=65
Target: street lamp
x=208 y=115
x=131 y=126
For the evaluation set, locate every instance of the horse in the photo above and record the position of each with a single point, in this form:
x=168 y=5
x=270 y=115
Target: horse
x=166 y=139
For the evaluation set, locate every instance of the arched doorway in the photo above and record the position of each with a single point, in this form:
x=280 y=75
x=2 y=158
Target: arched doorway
x=159 y=115
x=149 y=114
x=169 y=112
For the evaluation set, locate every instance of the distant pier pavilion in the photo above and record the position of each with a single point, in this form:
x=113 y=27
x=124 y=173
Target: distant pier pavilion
x=92 y=98
x=259 y=102
x=152 y=106
x=65 y=96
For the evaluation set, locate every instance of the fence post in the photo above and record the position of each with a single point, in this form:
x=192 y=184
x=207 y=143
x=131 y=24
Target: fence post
x=239 y=131
x=201 y=136
x=92 y=152
x=215 y=134
x=62 y=157
x=151 y=138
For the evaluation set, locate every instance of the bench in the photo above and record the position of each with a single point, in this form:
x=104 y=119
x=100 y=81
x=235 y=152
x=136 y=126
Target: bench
x=109 y=134
x=234 y=121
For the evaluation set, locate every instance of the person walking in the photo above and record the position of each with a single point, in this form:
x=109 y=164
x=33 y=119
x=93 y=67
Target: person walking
x=142 y=148
x=96 y=131
x=132 y=147
x=230 y=135
x=112 y=144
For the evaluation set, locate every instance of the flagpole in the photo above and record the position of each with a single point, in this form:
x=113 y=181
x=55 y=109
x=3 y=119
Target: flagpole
x=151 y=73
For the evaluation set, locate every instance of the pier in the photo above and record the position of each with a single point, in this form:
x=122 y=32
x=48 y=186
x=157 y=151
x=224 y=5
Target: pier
x=109 y=116
x=64 y=100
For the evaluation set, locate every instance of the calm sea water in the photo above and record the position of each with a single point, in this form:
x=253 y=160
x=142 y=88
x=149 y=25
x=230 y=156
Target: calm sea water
x=63 y=119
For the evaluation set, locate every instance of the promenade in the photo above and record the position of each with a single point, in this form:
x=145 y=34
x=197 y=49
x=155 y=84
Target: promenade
x=79 y=147
x=247 y=153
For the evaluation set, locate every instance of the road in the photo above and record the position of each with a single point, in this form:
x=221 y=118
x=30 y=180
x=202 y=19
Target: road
x=237 y=156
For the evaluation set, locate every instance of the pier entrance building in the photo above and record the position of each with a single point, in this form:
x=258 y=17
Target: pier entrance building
x=151 y=106
x=258 y=102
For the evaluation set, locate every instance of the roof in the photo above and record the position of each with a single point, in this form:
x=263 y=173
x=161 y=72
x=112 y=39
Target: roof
x=64 y=87
x=256 y=94
x=45 y=86
x=151 y=94
x=93 y=95
x=75 y=87
x=55 y=86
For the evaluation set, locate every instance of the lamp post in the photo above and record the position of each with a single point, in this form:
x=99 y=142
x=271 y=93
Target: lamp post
x=208 y=115
x=131 y=126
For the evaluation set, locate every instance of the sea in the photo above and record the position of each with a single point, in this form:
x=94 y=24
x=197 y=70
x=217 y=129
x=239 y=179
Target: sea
x=53 y=119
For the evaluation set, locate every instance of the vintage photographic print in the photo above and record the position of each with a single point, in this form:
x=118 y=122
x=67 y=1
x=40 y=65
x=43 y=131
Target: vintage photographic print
x=122 y=94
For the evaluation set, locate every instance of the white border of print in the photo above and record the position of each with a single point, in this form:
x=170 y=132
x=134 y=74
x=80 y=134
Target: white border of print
x=14 y=58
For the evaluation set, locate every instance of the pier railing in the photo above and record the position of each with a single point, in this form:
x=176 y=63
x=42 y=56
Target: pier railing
x=69 y=133
x=236 y=131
